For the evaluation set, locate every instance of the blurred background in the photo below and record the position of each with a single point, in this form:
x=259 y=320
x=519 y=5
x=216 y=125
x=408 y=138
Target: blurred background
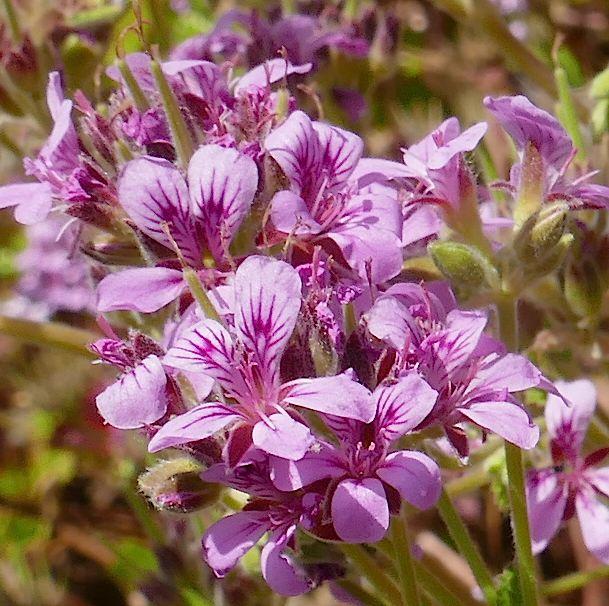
x=74 y=531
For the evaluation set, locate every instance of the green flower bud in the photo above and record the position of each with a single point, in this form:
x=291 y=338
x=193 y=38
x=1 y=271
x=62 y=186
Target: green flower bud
x=465 y=266
x=551 y=261
x=176 y=485
x=530 y=196
x=541 y=233
x=583 y=288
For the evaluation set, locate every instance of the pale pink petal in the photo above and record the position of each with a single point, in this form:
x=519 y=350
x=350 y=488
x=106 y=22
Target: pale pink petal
x=599 y=478
x=593 y=517
x=33 y=201
x=512 y=372
x=144 y=289
x=279 y=570
x=282 y=436
x=339 y=395
x=291 y=215
x=222 y=184
x=137 y=399
x=154 y=194
x=464 y=142
x=198 y=423
x=402 y=405
x=506 y=419
x=228 y=540
x=414 y=475
x=269 y=72
x=267 y=292
x=546 y=501
x=391 y=322
x=360 y=512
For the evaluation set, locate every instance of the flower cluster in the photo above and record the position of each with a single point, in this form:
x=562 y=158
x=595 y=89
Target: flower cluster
x=280 y=341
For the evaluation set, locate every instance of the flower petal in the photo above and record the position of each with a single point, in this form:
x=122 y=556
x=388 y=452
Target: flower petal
x=197 y=424
x=283 y=436
x=222 y=184
x=269 y=72
x=228 y=540
x=137 y=399
x=360 y=511
x=144 y=289
x=33 y=201
x=593 y=518
x=267 y=293
x=512 y=372
x=507 y=419
x=546 y=501
x=402 y=405
x=290 y=214
x=391 y=322
x=414 y=475
x=208 y=348
x=154 y=194
x=278 y=567
x=339 y=395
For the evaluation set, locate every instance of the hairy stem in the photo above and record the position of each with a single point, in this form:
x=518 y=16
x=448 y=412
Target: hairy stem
x=460 y=535
x=508 y=331
x=402 y=558
x=573 y=581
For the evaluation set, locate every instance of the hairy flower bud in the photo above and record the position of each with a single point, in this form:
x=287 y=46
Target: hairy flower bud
x=583 y=288
x=463 y=265
x=175 y=485
x=541 y=233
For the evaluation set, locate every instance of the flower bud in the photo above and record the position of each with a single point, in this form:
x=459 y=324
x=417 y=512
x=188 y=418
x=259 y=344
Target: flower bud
x=463 y=265
x=552 y=261
x=176 y=485
x=530 y=194
x=583 y=288
x=541 y=233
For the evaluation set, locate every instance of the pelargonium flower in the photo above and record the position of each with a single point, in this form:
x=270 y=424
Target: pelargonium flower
x=365 y=472
x=323 y=205
x=200 y=214
x=545 y=151
x=269 y=511
x=472 y=372
x=573 y=485
x=245 y=363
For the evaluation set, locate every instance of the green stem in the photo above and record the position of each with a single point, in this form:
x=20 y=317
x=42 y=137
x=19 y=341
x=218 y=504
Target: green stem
x=402 y=558
x=199 y=294
x=179 y=131
x=437 y=590
x=508 y=332
x=13 y=21
x=384 y=586
x=51 y=334
x=137 y=93
x=460 y=535
x=568 y=111
x=468 y=483
x=573 y=581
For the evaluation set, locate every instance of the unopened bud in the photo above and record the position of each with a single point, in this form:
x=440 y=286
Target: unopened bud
x=176 y=485
x=465 y=266
x=552 y=261
x=541 y=233
x=583 y=288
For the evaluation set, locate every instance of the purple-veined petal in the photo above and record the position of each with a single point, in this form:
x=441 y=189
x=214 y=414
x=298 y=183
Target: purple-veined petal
x=402 y=405
x=143 y=289
x=267 y=295
x=137 y=398
x=391 y=322
x=568 y=424
x=154 y=194
x=279 y=569
x=295 y=146
x=208 y=348
x=360 y=511
x=464 y=142
x=222 y=184
x=315 y=465
x=414 y=475
x=339 y=395
x=512 y=372
x=228 y=540
x=369 y=235
x=546 y=501
x=375 y=170
x=593 y=516
x=33 y=201
x=198 y=423
x=341 y=151
x=268 y=73
x=525 y=122
x=282 y=436
x=201 y=78
x=599 y=478
x=290 y=214
x=507 y=419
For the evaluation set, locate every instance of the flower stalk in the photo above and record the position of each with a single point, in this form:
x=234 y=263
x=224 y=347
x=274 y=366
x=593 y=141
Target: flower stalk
x=402 y=557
